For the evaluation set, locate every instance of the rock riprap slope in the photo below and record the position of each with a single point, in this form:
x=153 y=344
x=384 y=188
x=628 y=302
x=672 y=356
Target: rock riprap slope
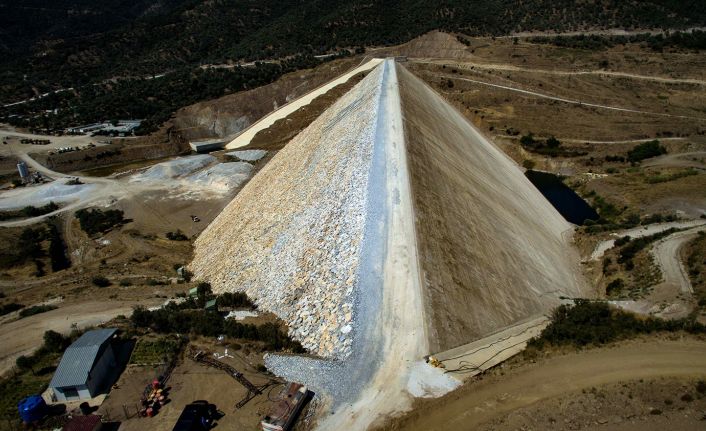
x=291 y=239
x=487 y=249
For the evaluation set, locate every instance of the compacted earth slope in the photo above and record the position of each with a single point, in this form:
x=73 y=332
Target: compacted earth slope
x=492 y=250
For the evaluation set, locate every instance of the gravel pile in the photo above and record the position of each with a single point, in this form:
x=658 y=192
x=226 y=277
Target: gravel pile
x=248 y=155
x=38 y=195
x=292 y=238
x=195 y=174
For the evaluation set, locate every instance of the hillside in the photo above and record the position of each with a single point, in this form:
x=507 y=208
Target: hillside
x=84 y=46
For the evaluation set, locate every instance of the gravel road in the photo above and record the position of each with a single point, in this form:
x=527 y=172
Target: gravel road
x=667 y=255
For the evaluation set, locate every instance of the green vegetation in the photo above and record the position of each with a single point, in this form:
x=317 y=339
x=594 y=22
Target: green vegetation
x=189 y=317
x=695 y=40
x=528 y=164
x=94 y=221
x=100 y=281
x=645 y=151
x=200 y=322
x=177 y=236
x=659 y=178
x=157 y=48
x=28 y=212
x=696 y=267
x=234 y=300
x=633 y=246
x=9 y=308
x=587 y=323
x=57 y=249
x=36 y=309
x=615 y=287
x=156 y=352
x=550 y=147
x=31 y=376
x=614 y=218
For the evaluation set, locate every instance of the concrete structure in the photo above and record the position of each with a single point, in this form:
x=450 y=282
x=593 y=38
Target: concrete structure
x=87 y=367
x=207 y=145
x=23 y=170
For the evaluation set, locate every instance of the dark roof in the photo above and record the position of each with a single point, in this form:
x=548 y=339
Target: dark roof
x=79 y=358
x=82 y=423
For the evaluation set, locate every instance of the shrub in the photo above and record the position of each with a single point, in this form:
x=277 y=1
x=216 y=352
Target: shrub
x=594 y=323
x=177 y=236
x=173 y=320
x=528 y=164
x=553 y=142
x=615 y=287
x=24 y=363
x=125 y=282
x=37 y=309
x=234 y=300
x=645 y=151
x=622 y=240
x=9 y=308
x=55 y=342
x=527 y=140
x=94 y=221
x=100 y=281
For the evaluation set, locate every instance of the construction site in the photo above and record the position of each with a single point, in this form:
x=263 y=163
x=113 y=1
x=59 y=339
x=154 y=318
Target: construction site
x=381 y=217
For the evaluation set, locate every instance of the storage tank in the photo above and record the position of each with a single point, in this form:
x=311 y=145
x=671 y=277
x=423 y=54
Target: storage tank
x=22 y=169
x=32 y=408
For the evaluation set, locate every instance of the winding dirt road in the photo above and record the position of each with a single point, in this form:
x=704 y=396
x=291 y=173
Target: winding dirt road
x=639 y=232
x=667 y=252
x=481 y=401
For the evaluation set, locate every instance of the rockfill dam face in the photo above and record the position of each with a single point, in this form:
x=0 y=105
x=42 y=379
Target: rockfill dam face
x=490 y=251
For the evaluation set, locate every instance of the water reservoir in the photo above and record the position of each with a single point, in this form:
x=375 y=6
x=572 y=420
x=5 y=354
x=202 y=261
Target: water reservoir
x=566 y=201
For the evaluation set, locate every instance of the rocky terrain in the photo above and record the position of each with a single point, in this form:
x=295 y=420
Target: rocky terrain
x=298 y=255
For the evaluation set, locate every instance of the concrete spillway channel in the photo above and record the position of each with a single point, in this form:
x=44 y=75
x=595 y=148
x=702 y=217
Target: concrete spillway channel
x=388 y=229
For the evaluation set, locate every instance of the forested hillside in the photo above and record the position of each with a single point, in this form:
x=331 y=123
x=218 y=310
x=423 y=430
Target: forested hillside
x=47 y=45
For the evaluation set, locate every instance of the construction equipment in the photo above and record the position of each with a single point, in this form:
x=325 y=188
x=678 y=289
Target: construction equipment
x=285 y=410
x=435 y=362
x=205 y=358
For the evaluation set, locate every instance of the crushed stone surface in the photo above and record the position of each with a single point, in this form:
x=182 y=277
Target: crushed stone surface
x=248 y=155
x=291 y=239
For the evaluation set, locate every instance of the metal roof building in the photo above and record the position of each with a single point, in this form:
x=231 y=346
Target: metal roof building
x=86 y=367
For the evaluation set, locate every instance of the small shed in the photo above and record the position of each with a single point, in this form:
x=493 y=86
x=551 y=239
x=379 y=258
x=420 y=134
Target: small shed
x=87 y=367
x=211 y=305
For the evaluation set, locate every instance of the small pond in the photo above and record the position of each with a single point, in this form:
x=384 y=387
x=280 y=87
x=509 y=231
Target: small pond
x=566 y=201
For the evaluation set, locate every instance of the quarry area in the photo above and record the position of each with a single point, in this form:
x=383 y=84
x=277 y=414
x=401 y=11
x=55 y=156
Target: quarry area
x=370 y=231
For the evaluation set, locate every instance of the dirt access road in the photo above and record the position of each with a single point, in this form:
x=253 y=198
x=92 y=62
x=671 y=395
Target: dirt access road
x=667 y=255
x=247 y=135
x=481 y=401
x=639 y=232
x=23 y=336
